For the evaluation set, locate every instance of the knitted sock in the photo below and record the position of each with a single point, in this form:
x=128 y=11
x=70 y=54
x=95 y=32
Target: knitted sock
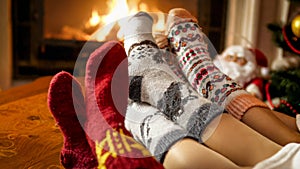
x=151 y=127
x=188 y=43
x=63 y=95
x=153 y=82
x=168 y=57
x=106 y=95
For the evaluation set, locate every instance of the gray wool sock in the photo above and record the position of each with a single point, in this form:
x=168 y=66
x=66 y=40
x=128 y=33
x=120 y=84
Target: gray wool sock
x=150 y=127
x=152 y=81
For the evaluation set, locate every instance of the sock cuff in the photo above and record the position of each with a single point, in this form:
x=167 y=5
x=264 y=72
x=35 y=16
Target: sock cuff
x=201 y=119
x=242 y=103
x=167 y=141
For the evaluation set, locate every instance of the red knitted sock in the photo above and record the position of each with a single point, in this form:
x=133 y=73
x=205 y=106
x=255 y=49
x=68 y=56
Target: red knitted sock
x=65 y=99
x=106 y=96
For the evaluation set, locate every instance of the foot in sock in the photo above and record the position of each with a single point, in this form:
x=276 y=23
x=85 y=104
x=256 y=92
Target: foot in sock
x=66 y=103
x=153 y=82
x=106 y=85
x=187 y=41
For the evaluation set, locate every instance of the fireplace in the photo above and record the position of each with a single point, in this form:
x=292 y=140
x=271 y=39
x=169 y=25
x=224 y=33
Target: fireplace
x=48 y=35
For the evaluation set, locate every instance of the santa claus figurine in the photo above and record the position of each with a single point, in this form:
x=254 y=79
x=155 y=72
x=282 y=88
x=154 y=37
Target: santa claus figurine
x=247 y=66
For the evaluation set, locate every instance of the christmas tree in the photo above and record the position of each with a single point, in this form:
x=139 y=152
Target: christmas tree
x=284 y=84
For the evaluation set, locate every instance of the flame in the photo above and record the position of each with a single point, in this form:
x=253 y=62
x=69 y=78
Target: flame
x=118 y=9
x=95 y=18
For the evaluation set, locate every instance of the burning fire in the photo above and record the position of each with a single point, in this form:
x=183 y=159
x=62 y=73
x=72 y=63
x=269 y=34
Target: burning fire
x=95 y=19
x=112 y=21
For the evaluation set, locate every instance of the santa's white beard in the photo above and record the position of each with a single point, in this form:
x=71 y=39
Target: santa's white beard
x=240 y=74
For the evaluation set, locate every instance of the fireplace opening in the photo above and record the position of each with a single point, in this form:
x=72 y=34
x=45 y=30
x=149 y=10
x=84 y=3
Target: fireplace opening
x=48 y=35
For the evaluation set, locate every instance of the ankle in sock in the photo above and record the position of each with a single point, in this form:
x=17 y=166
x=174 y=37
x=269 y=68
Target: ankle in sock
x=64 y=94
x=152 y=128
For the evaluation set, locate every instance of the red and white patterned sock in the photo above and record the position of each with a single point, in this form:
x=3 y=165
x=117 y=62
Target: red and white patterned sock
x=187 y=41
x=152 y=81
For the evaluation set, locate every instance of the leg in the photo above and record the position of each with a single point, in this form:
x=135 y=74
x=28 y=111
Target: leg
x=287 y=157
x=187 y=41
x=240 y=143
x=153 y=82
x=287 y=120
x=168 y=142
x=265 y=122
x=187 y=153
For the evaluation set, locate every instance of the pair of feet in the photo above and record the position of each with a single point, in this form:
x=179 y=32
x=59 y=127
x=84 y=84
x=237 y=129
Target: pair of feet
x=87 y=122
x=191 y=59
x=93 y=124
x=98 y=113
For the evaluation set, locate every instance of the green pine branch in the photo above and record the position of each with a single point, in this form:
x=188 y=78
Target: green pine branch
x=284 y=84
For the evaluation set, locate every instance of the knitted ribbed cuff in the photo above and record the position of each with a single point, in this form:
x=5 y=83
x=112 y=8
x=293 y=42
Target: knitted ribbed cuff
x=166 y=142
x=242 y=103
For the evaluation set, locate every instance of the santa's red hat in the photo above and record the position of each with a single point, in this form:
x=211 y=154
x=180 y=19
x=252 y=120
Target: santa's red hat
x=261 y=61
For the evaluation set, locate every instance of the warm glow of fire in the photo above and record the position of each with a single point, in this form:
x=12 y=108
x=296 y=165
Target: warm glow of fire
x=95 y=18
x=118 y=9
